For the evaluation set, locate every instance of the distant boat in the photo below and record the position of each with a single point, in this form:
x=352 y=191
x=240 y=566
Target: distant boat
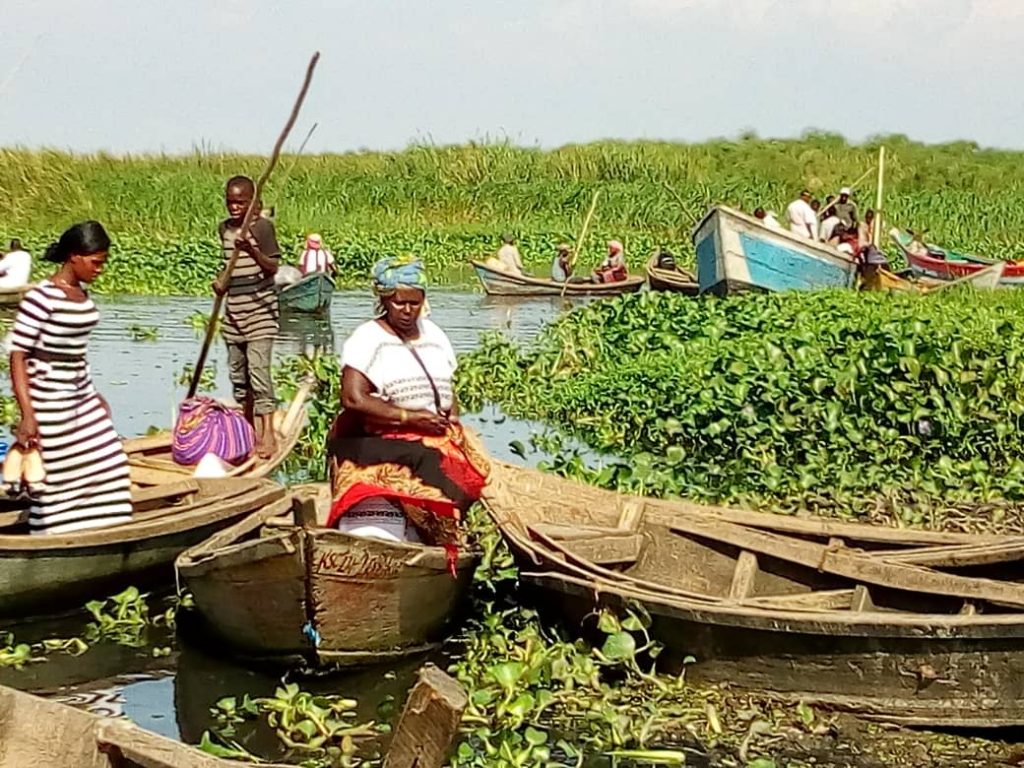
x=312 y=294
x=736 y=252
x=944 y=264
x=678 y=280
x=498 y=283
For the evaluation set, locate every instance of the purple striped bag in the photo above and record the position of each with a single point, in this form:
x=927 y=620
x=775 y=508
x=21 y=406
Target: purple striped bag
x=205 y=425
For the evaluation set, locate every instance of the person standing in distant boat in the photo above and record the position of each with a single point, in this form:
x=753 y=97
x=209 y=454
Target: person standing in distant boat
x=87 y=483
x=865 y=230
x=802 y=219
x=508 y=258
x=613 y=268
x=846 y=210
x=316 y=258
x=828 y=219
x=767 y=218
x=15 y=267
x=251 y=318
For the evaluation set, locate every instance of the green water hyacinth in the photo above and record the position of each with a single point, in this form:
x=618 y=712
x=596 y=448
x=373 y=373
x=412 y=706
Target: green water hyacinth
x=898 y=406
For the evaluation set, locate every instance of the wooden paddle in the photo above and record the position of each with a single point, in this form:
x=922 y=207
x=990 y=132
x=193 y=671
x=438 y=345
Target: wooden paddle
x=580 y=240
x=250 y=215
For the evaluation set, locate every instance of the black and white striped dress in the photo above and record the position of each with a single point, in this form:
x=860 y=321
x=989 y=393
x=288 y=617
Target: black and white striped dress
x=87 y=483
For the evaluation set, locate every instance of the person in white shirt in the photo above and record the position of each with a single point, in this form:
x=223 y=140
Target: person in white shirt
x=316 y=258
x=802 y=219
x=767 y=218
x=508 y=255
x=15 y=267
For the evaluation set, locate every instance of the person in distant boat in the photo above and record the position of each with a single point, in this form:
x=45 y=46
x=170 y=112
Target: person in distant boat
x=767 y=218
x=508 y=258
x=612 y=268
x=802 y=219
x=871 y=262
x=561 y=267
x=251 y=317
x=62 y=415
x=865 y=230
x=316 y=258
x=15 y=267
x=828 y=219
x=845 y=209
x=397 y=452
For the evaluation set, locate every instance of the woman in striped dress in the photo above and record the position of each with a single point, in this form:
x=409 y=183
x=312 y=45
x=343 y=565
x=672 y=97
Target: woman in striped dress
x=87 y=483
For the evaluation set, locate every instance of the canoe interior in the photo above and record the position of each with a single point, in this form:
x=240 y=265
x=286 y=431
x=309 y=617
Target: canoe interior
x=150 y=460
x=260 y=583
x=872 y=617
x=37 y=732
x=45 y=574
x=498 y=283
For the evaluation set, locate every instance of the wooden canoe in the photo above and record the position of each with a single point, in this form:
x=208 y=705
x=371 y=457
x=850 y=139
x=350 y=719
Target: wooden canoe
x=150 y=457
x=678 y=279
x=943 y=264
x=912 y=626
x=44 y=574
x=498 y=283
x=38 y=732
x=312 y=294
x=276 y=591
x=737 y=252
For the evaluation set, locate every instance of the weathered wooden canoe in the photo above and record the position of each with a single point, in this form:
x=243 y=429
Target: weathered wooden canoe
x=37 y=732
x=276 y=591
x=498 y=283
x=312 y=294
x=10 y=297
x=150 y=457
x=943 y=264
x=912 y=626
x=736 y=252
x=678 y=279
x=42 y=575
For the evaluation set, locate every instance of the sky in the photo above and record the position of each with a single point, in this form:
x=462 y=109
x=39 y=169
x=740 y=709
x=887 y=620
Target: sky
x=172 y=75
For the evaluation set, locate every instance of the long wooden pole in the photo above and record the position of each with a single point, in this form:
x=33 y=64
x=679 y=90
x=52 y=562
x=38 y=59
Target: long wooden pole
x=250 y=215
x=302 y=146
x=876 y=235
x=580 y=241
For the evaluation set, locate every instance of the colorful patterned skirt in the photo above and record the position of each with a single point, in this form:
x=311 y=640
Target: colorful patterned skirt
x=434 y=479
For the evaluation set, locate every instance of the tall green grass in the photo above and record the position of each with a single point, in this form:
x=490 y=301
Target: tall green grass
x=449 y=203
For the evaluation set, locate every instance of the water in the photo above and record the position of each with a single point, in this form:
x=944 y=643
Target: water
x=172 y=695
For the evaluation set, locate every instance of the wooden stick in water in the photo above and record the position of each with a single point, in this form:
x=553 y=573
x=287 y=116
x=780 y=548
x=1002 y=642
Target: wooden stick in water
x=250 y=215
x=580 y=240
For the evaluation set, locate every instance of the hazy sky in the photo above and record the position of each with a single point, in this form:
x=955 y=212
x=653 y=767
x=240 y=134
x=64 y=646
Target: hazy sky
x=135 y=75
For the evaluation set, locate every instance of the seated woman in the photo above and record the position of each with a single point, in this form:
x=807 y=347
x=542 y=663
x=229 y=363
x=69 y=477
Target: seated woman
x=397 y=452
x=613 y=268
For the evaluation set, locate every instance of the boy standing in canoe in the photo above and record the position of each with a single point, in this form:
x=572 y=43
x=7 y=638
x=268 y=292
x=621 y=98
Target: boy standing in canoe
x=251 y=314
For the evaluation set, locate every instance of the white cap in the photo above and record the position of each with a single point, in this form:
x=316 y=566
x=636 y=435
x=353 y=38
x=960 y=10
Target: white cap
x=845 y=191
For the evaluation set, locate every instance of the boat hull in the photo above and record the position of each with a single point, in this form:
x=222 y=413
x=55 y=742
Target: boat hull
x=498 y=283
x=912 y=626
x=941 y=264
x=311 y=295
x=674 y=280
x=368 y=600
x=736 y=253
x=43 y=575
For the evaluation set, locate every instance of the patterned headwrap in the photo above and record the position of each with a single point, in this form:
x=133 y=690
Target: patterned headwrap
x=393 y=272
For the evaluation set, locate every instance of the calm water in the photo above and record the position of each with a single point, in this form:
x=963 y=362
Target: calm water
x=172 y=695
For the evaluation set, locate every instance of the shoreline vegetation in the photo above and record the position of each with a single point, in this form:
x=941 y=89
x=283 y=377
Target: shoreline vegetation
x=449 y=204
